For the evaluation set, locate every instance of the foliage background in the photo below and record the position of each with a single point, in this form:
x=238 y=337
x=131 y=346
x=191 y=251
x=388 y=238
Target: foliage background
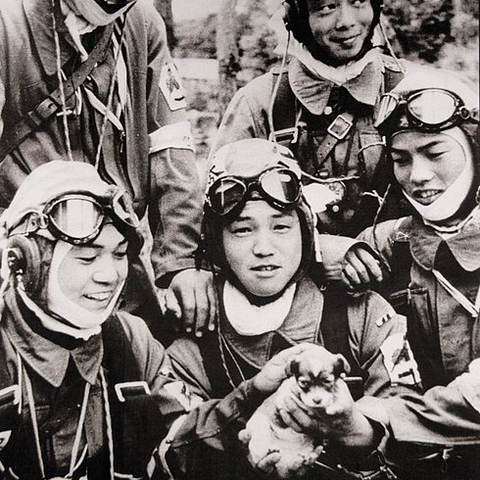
x=439 y=32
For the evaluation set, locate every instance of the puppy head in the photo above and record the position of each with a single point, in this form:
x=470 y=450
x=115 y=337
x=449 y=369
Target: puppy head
x=316 y=376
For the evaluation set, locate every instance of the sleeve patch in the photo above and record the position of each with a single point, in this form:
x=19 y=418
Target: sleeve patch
x=4 y=438
x=171 y=87
x=386 y=318
x=399 y=362
x=181 y=393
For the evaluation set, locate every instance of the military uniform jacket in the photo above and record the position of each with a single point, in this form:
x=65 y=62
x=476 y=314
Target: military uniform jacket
x=444 y=336
x=207 y=440
x=57 y=374
x=147 y=150
x=306 y=106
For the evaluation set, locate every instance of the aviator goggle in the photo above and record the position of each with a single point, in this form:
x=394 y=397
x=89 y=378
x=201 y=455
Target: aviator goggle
x=429 y=110
x=77 y=218
x=279 y=186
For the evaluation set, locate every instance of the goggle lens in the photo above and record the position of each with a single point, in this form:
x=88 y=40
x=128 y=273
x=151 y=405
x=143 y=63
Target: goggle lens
x=279 y=186
x=282 y=186
x=226 y=194
x=432 y=107
x=429 y=109
x=76 y=219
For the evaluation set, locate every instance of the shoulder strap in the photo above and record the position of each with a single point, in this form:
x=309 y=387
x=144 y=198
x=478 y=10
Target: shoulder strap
x=400 y=267
x=284 y=111
x=334 y=329
x=215 y=366
x=136 y=419
x=9 y=397
x=53 y=102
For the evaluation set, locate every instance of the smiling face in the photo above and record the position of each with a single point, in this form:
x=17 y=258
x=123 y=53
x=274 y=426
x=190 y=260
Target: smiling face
x=263 y=247
x=90 y=275
x=340 y=27
x=426 y=164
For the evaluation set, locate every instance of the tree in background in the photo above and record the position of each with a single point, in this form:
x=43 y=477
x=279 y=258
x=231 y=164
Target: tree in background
x=227 y=53
x=422 y=27
x=256 y=40
x=164 y=7
x=442 y=32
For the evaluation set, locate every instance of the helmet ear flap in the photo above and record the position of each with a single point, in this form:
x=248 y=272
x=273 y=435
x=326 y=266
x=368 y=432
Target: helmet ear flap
x=293 y=21
x=24 y=261
x=212 y=240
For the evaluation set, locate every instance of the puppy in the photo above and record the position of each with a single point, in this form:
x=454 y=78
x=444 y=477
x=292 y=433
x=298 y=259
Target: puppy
x=316 y=377
x=315 y=373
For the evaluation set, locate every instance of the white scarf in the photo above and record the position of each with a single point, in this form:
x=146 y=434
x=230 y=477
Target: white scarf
x=338 y=75
x=73 y=320
x=93 y=13
x=250 y=320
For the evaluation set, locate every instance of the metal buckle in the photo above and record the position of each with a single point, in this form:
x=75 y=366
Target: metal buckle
x=6 y=392
x=286 y=134
x=76 y=110
x=136 y=388
x=339 y=127
x=41 y=112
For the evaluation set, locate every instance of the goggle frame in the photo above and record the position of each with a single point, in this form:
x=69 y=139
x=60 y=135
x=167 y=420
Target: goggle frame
x=249 y=184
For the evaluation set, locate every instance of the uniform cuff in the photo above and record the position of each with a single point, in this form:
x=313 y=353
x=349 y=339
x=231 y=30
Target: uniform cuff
x=175 y=135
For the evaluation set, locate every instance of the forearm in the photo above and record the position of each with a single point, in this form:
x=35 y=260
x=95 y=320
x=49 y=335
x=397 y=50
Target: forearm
x=210 y=433
x=447 y=415
x=175 y=213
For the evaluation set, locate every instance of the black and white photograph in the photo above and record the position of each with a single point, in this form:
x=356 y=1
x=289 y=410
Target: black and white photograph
x=239 y=240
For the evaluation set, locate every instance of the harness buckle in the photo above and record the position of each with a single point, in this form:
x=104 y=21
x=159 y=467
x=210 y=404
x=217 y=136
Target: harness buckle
x=286 y=134
x=10 y=395
x=76 y=109
x=339 y=127
x=130 y=389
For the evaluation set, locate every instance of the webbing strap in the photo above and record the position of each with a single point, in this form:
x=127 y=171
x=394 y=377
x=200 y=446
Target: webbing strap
x=137 y=421
x=12 y=138
x=334 y=329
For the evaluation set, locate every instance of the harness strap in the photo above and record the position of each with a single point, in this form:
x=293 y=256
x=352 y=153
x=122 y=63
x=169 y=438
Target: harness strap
x=414 y=303
x=335 y=332
x=285 y=120
x=53 y=102
x=136 y=419
x=10 y=397
x=287 y=123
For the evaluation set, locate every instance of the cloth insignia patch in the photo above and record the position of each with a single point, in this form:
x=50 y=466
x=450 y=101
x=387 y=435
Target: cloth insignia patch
x=387 y=317
x=4 y=438
x=180 y=392
x=399 y=362
x=171 y=87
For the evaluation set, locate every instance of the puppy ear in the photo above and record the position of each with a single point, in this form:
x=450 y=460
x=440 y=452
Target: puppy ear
x=340 y=365
x=294 y=367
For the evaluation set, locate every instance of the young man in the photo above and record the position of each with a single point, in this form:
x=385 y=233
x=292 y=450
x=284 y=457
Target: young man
x=259 y=236
x=431 y=270
x=321 y=106
x=85 y=391
x=121 y=108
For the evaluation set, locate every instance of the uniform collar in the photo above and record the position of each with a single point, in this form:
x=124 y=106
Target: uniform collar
x=314 y=91
x=425 y=242
x=46 y=358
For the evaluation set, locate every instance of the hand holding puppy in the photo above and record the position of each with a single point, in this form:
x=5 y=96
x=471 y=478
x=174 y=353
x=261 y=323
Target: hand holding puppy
x=330 y=413
x=307 y=375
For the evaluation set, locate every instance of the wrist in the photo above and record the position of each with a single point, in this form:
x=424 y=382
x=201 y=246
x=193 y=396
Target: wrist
x=357 y=432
